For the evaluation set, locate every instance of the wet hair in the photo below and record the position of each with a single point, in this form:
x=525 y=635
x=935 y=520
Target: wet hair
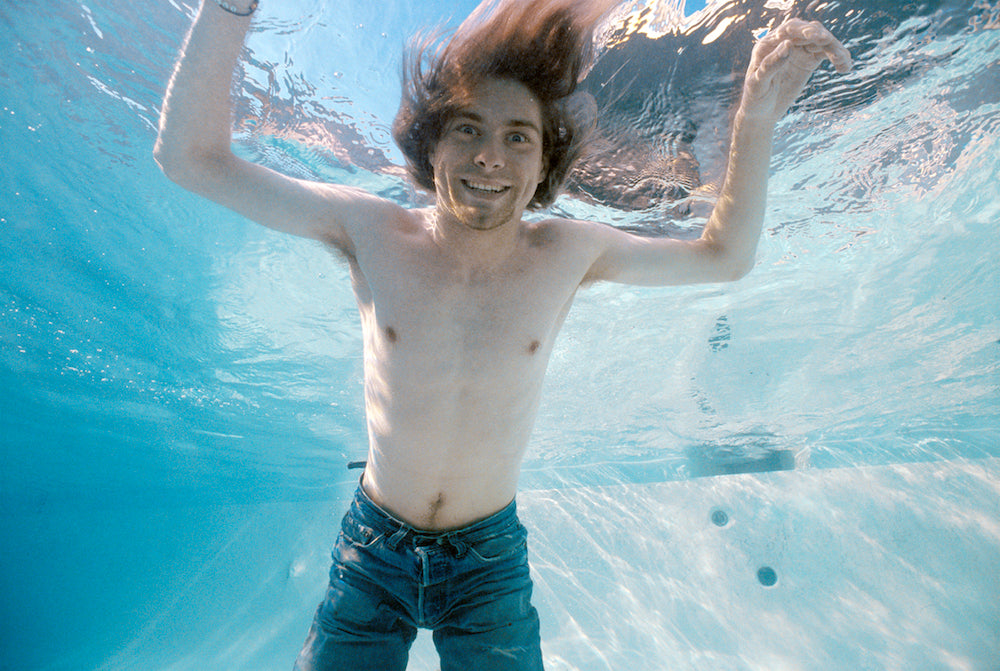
x=545 y=45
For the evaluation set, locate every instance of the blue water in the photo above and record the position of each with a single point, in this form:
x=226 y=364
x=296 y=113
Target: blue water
x=158 y=352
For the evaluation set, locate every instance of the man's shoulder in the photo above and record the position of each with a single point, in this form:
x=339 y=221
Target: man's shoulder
x=567 y=246
x=562 y=231
x=375 y=215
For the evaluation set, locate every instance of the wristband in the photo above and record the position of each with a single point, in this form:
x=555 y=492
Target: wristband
x=233 y=10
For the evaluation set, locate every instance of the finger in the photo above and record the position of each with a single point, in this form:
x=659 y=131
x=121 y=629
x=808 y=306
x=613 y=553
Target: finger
x=813 y=33
x=840 y=57
x=820 y=42
x=764 y=47
x=835 y=52
x=791 y=26
x=811 y=37
x=765 y=72
x=816 y=31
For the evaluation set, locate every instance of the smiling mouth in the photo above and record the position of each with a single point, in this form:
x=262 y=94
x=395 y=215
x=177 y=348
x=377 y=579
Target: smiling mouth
x=484 y=188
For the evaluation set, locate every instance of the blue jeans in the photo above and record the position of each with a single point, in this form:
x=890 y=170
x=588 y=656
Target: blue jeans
x=471 y=586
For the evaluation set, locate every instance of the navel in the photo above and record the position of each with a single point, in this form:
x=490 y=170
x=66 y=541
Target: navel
x=533 y=347
x=390 y=334
x=434 y=508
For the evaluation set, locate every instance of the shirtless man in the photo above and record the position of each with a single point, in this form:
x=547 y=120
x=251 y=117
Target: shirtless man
x=461 y=303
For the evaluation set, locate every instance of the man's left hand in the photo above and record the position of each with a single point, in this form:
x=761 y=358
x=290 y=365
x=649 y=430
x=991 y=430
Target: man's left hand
x=781 y=64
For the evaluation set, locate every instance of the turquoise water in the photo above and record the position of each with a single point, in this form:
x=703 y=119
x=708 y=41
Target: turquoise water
x=159 y=352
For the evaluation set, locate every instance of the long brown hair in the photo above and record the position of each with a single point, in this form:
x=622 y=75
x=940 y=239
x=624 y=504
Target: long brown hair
x=544 y=44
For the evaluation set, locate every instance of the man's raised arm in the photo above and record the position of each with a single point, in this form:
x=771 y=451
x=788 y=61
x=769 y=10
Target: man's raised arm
x=780 y=66
x=194 y=143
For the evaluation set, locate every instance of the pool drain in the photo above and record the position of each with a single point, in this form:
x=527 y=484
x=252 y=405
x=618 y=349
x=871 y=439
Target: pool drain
x=767 y=576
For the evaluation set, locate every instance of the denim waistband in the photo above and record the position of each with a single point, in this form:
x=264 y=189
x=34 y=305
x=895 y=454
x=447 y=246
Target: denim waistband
x=368 y=513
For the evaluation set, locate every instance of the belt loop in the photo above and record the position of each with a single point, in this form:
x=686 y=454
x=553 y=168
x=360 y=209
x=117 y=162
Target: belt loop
x=396 y=538
x=460 y=547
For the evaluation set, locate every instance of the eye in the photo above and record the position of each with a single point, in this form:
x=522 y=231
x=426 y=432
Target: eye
x=465 y=129
x=519 y=138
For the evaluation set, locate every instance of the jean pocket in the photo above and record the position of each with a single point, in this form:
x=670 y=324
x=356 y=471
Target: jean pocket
x=358 y=535
x=501 y=547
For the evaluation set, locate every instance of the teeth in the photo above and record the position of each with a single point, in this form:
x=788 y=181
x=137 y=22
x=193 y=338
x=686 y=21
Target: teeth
x=485 y=187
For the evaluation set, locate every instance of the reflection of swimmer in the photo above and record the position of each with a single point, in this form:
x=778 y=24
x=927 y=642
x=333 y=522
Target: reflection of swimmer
x=624 y=169
x=653 y=96
x=460 y=303
x=662 y=101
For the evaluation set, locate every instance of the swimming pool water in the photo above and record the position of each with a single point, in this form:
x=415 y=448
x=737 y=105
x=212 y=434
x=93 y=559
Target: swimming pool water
x=159 y=352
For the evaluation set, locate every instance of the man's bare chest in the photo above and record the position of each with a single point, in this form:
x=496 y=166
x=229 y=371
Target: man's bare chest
x=429 y=305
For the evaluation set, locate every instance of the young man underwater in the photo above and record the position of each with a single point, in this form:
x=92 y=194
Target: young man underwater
x=461 y=302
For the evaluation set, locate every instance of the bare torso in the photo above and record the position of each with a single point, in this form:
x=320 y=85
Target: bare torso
x=455 y=355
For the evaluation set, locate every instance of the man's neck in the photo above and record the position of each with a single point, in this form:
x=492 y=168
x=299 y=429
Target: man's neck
x=471 y=247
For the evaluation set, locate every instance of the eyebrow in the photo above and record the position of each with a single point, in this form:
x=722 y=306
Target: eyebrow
x=514 y=123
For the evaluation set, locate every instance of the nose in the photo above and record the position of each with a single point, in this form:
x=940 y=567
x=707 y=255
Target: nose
x=489 y=155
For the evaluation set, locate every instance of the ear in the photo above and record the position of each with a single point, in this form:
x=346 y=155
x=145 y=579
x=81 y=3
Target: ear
x=543 y=173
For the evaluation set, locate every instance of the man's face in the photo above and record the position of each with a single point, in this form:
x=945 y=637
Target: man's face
x=488 y=161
